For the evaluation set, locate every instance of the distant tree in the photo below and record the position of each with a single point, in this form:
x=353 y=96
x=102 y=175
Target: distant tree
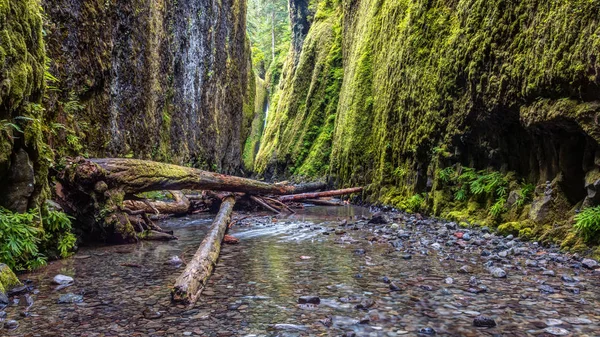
x=269 y=31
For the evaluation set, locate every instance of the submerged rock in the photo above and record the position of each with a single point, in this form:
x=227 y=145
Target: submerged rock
x=556 y=331
x=379 y=218
x=309 y=299
x=484 y=322
x=70 y=298
x=498 y=272
x=11 y=324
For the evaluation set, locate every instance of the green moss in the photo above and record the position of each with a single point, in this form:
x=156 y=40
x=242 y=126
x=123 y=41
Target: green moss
x=301 y=118
x=8 y=279
x=253 y=141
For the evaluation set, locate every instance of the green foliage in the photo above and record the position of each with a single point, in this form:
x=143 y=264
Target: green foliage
x=447 y=174
x=525 y=195
x=27 y=239
x=19 y=239
x=415 y=203
x=301 y=121
x=587 y=223
x=268 y=27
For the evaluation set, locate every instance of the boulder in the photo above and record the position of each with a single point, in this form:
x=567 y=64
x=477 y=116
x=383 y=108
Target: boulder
x=8 y=280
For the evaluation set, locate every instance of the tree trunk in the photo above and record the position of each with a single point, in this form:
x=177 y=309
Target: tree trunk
x=273 y=35
x=134 y=176
x=191 y=282
x=315 y=195
x=93 y=191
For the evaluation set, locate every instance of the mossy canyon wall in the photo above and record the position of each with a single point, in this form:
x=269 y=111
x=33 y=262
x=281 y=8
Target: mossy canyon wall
x=424 y=100
x=154 y=79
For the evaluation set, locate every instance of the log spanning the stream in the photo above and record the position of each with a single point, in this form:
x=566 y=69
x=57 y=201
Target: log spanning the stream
x=135 y=176
x=191 y=282
x=95 y=191
x=315 y=195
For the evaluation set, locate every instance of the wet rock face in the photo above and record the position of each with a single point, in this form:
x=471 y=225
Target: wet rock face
x=19 y=183
x=163 y=80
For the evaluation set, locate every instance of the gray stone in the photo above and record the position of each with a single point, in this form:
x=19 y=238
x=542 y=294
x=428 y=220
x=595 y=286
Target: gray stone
x=556 y=331
x=62 y=279
x=484 y=322
x=498 y=272
x=20 y=183
x=379 y=218
x=309 y=299
x=70 y=298
x=589 y=263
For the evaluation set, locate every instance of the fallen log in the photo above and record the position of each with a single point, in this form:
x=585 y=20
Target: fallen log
x=191 y=282
x=315 y=195
x=264 y=204
x=134 y=176
x=179 y=205
x=93 y=191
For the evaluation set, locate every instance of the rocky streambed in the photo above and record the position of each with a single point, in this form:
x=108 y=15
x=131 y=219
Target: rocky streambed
x=326 y=271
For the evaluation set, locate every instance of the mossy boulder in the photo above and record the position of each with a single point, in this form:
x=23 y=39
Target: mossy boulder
x=8 y=279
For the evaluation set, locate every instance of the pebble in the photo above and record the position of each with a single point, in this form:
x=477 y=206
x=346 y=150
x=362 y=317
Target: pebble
x=465 y=270
x=556 y=331
x=567 y=278
x=309 y=299
x=151 y=314
x=544 y=288
x=589 y=263
x=448 y=280
x=11 y=324
x=70 y=298
x=62 y=279
x=549 y=273
x=484 y=322
x=427 y=331
x=577 y=320
x=466 y=237
x=498 y=272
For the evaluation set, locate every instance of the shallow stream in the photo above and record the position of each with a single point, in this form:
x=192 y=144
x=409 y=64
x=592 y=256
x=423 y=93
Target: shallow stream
x=371 y=280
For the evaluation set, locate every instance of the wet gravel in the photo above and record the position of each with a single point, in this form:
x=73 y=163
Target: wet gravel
x=326 y=271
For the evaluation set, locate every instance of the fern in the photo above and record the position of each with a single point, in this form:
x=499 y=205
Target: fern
x=446 y=175
x=587 y=223
x=460 y=195
x=498 y=207
x=525 y=194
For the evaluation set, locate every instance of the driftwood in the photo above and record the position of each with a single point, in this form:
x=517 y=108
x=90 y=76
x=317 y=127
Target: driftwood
x=264 y=204
x=315 y=195
x=191 y=282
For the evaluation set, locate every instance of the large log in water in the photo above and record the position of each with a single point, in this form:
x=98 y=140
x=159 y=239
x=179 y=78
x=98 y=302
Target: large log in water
x=93 y=190
x=191 y=282
x=135 y=176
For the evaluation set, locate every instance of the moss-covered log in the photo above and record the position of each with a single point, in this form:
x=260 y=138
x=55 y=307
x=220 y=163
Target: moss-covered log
x=134 y=176
x=191 y=282
x=94 y=192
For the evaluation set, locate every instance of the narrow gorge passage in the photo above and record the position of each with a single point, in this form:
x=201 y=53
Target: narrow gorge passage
x=366 y=168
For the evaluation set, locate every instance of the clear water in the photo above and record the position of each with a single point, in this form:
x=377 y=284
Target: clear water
x=257 y=283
